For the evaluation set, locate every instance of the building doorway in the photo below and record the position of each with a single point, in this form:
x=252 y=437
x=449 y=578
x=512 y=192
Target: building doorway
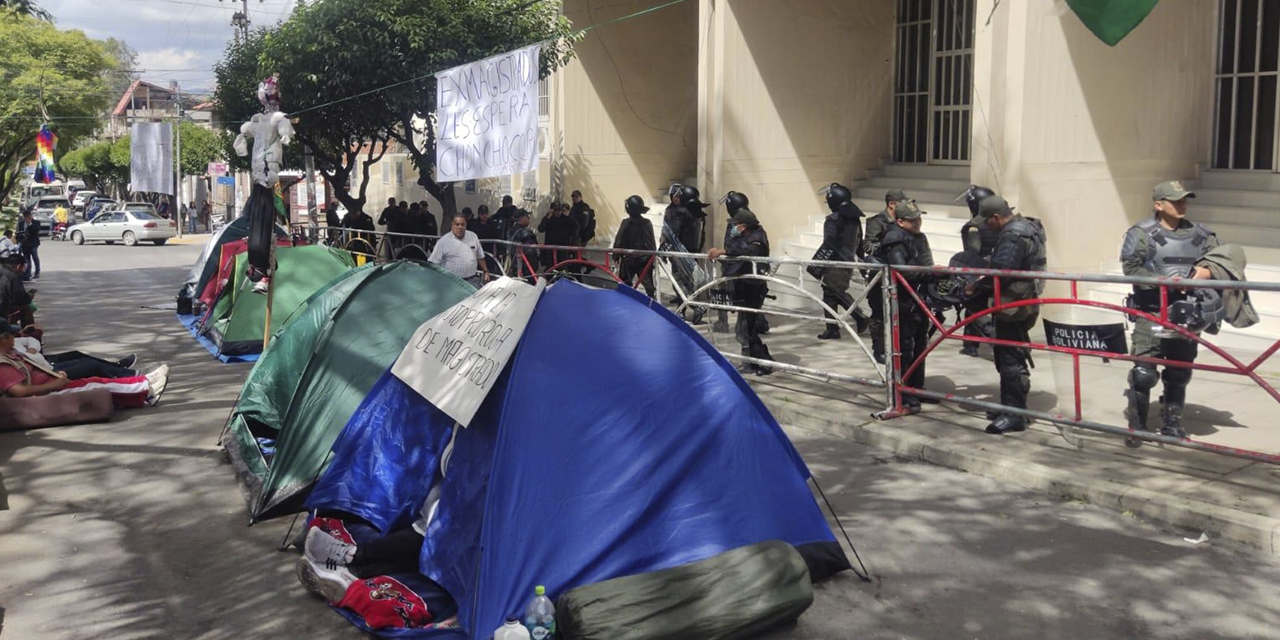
x=933 y=81
x=1246 y=118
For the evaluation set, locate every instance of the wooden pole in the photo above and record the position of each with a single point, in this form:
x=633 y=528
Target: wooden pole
x=271 y=292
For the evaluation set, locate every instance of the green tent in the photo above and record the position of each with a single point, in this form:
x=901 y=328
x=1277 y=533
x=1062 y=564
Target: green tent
x=236 y=324
x=206 y=266
x=318 y=369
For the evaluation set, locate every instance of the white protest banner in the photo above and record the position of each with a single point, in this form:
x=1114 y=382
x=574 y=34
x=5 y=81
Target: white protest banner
x=454 y=359
x=487 y=117
x=151 y=157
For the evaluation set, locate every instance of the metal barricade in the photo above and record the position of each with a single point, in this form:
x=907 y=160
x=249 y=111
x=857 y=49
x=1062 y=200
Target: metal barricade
x=708 y=294
x=955 y=332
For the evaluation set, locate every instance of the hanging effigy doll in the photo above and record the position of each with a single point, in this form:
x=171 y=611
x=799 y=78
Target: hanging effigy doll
x=270 y=132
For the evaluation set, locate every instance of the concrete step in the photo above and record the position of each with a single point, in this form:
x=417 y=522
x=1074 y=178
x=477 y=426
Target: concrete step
x=926 y=197
x=1245 y=180
x=928 y=172
x=1216 y=215
x=910 y=184
x=1269 y=200
x=1247 y=235
x=872 y=207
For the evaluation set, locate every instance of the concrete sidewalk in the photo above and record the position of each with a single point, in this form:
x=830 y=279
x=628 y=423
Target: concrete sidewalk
x=1201 y=492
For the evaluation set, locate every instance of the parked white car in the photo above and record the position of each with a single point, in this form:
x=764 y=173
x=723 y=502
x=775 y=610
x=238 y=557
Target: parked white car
x=82 y=198
x=129 y=226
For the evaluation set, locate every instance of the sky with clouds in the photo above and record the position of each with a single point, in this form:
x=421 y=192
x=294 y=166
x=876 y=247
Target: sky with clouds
x=175 y=39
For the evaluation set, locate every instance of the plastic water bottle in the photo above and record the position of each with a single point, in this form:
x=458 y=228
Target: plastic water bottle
x=540 y=616
x=512 y=630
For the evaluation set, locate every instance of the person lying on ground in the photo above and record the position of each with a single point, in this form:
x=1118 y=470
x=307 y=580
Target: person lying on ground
x=22 y=378
x=76 y=364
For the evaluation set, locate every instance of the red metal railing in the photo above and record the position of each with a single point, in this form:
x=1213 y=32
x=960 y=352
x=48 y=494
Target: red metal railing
x=954 y=332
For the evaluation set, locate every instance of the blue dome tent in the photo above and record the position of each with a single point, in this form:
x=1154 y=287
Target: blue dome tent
x=617 y=441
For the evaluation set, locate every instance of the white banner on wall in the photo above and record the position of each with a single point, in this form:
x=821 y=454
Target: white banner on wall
x=487 y=117
x=151 y=157
x=454 y=359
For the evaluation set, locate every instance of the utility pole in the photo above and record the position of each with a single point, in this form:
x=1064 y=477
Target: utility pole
x=240 y=20
x=177 y=165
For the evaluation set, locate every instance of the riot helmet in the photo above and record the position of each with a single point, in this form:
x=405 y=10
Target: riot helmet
x=1201 y=309
x=689 y=195
x=735 y=200
x=674 y=190
x=973 y=195
x=636 y=206
x=838 y=196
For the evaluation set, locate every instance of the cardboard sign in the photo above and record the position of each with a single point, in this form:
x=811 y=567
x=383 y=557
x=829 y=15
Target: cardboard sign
x=454 y=359
x=1093 y=337
x=487 y=117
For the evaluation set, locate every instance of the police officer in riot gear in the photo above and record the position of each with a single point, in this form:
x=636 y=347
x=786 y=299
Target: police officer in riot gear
x=978 y=239
x=842 y=240
x=1165 y=245
x=733 y=202
x=635 y=233
x=690 y=234
x=877 y=226
x=1020 y=246
x=747 y=238
x=680 y=227
x=905 y=244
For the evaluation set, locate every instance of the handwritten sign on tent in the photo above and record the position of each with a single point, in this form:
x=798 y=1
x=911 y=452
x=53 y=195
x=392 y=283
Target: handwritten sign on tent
x=487 y=117
x=454 y=359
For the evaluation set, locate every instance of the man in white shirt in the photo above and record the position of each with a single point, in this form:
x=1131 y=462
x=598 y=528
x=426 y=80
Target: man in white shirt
x=459 y=253
x=7 y=245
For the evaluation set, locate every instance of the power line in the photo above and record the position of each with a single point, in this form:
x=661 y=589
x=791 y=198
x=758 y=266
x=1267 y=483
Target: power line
x=429 y=74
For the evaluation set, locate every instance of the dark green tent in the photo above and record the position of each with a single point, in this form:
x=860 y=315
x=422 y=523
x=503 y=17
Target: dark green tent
x=318 y=369
x=236 y=324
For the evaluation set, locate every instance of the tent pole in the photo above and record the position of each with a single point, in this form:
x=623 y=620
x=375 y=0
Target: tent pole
x=271 y=292
x=864 y=574
x=284 y=544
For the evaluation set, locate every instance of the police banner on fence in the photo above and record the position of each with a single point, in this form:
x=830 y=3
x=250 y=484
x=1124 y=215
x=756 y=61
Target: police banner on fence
x=454 y=359
x=487 y=117
x=1093 y=337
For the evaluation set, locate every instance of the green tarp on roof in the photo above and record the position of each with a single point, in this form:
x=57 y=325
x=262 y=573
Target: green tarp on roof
x=318 y=369
x=236 y=324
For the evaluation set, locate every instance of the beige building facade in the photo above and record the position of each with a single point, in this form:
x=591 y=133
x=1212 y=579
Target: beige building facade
x=777 y=99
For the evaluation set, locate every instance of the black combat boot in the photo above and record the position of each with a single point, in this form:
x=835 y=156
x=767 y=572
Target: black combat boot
x=1007 y=423
x=832 y=333
x=1172 y=415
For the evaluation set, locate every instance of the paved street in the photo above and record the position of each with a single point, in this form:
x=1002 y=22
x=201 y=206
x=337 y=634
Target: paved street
x=136 y=528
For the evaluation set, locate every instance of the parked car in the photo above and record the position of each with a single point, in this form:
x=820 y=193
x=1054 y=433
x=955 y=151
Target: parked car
x=145 y=207
x=44 y=209
x=33 y=192
x=127 y=226
x=82 y=198
x=96 y=206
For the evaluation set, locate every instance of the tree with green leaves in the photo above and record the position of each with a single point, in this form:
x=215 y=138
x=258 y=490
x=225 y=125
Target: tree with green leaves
x=125 y=71
x=45 y=72
x=26 y=8
x=358 y=75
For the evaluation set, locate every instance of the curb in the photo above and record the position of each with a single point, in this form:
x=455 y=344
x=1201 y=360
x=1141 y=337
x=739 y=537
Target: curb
x=1257 y=531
